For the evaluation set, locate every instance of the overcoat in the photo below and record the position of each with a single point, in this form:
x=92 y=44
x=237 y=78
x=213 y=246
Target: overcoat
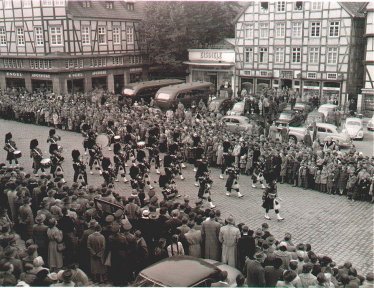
x=96 y=247
x=229 y=236
x=209 y=234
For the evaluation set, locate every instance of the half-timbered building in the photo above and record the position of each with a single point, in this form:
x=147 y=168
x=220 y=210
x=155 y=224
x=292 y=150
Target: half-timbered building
x=71 y=46
x=309 y=46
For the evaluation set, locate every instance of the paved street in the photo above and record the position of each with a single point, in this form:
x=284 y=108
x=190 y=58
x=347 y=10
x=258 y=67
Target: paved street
x=333 y=225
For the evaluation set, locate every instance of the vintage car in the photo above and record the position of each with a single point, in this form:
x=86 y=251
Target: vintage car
x=323 y=130
x=236 y=123
x=325 y=108
x=290 y=118
x=237 y=109
x=184 y=271
x=355 y=128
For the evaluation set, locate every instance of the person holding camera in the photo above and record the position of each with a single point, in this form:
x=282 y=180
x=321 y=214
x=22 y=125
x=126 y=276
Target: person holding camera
x=232 y=181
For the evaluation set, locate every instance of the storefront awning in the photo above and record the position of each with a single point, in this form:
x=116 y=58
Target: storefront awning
x=209 y=63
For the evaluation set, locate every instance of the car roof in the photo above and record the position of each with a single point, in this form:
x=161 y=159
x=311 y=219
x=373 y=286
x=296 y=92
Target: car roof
x=138 y=85
x=326 y=125
x=235 y=117
x=353 y=119
x=184 y=86
x=328 y=105
x=180 y=271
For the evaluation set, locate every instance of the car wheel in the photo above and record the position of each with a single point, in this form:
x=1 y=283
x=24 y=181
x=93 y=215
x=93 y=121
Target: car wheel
x=293 y=138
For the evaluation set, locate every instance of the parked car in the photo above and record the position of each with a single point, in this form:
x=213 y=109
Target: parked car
x=220 y=104
x=236 y=123
x=315 y=116
x=355 y=128
x=323 y=130
x=184 y=271
x=303 y=107
x=370 y=125
x=237 y=109
x=292 y=118
x=325 y=108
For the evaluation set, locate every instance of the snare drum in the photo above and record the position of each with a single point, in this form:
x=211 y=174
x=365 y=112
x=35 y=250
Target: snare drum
x=140 y=145
x=45 y=163
x=117 y=138
x=17 y=154
x=60 y=148
x=102 y=140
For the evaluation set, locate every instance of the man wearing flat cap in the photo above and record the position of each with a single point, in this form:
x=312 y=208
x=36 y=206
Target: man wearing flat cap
x=229 y=236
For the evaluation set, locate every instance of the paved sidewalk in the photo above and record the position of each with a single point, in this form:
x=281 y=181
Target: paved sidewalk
x=332 y=224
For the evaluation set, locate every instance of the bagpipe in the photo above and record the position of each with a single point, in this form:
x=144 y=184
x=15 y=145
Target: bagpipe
x=205 y=183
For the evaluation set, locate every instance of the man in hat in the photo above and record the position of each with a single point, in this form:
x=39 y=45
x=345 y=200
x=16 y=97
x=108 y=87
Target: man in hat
x=254 y=272
x=210 y=231
x=40 y=237
x=84 y=259
x=96 y=248
x=25 y=219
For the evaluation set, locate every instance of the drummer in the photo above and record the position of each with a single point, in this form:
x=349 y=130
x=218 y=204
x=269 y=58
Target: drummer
x=37 y=155
x=10 y=147
x=95 y=155
x=79 y=167
x=53 y=138
x=56 y=161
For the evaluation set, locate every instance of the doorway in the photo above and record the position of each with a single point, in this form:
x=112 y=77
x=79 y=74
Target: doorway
x=286 y=83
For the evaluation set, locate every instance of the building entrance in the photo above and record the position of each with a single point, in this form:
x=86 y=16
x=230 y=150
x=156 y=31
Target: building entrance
x=119 y=83
x=286 y=83
x=99 y=82
x=42 y=85
x=15 y=83
x=75 y=85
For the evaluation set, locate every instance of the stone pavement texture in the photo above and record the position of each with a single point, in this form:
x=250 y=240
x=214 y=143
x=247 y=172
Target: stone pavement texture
x=332 y=224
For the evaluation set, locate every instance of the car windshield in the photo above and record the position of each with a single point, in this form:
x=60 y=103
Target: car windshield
x=238 y=106
x=285 y=116
x=144 y=282
x=163 y=96
x=128 y=91
x=353 y=123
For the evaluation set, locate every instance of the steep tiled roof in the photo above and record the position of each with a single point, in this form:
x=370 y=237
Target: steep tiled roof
x=98 y=9
x=355 y=9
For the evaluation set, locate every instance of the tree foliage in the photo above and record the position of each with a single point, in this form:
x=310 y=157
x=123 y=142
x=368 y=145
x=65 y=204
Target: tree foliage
x=172 y=27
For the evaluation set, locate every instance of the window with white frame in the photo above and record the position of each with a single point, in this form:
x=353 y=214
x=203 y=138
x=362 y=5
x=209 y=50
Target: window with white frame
x=248 y=31
x=313 y=55
x=109 y=5
x=40 y=64
x=263 y=55
x=13 y=63
x=332 y=55
x=20 y=36
x=98 y=62
x=332 y=75
x=55 y=33
x=102 y=35
x=2 y=36
x=47 y=3
x=39 y=39
x=74 y=63
x=296 y=55
x=297 y=29
x=264 y=7
x=315 y=29
x=264 y=30
x=118 y=60
x=334 y=29
x=26 y=3
x=130 y=35
x=281 y=6
x=298 y=5
x=316 y=5
x=248 y=55
x=311 y=75
x=116 y=35
x=59 y=2
x=7 y=4
x=279 y=55
x=86 y=35
x=280 y=29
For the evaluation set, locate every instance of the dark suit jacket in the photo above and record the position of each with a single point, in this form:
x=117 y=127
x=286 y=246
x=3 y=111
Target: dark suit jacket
x=255 y=273
x=246 y=248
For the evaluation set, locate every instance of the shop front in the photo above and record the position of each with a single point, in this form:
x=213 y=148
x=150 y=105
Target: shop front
x=100 y=80
x=41 y=82
x=14 y=80
x=367 y=105
x=212 y=65
x=311 y=89
x=330 y=92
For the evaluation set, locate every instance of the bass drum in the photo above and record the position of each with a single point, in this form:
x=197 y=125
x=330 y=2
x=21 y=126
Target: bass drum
x=102 y=140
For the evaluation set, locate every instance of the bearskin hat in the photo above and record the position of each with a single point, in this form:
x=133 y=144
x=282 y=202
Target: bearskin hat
x=110 y=123
x=34 y=143
x=52 y=132
x=75 y=154
x=8 y=136
x=53 y=147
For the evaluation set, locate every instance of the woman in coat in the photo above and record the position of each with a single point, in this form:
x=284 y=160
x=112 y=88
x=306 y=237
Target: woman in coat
x=55 y=237
x=193 y=238
x=96 y=248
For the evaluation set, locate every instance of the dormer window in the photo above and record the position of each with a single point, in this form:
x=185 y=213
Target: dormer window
x=109 y=5
x=86 y=4
x=130 y=6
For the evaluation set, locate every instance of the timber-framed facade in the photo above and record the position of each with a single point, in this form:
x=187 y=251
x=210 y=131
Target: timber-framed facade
x=315 y=48
x=67 y=46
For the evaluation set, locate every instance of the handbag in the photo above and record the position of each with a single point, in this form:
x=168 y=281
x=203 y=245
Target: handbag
x=61 y=246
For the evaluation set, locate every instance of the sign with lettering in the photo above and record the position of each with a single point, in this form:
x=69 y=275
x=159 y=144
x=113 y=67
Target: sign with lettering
x=211 y=55
x=75 y=75
x=135 y=70
x=39 y=75
x=101 y=72
x=14 y=74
